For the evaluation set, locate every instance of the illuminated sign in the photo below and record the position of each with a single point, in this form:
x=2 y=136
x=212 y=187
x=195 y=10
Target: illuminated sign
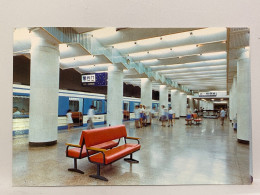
x=97 y=79
x=207 y=94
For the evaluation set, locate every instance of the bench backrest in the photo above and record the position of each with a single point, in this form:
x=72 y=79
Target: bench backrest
x=100 y=135
x=195 y=115
x=188 y=116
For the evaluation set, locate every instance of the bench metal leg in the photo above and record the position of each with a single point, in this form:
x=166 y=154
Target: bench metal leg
x=75 y=169
x=131 y=159
x=98 y=176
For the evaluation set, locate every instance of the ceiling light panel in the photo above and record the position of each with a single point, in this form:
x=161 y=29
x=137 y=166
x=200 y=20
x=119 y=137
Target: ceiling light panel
x=184 y=42
x=171 y=53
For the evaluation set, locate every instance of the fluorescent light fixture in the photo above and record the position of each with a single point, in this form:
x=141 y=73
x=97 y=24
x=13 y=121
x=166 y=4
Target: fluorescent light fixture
x=176 y=37
x=184 y=48
x=160 y=51
x=124 y=45
x=209 y=31
x=149 y=61
x=151 y=41
x=214 y=54
x=104 y=32
x=139 y=54
x=96 y=65
x=81 y=59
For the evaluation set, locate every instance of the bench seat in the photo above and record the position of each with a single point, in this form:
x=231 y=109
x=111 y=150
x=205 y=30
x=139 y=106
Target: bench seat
x=95 y=137
x=115 y=153
x=75 y=152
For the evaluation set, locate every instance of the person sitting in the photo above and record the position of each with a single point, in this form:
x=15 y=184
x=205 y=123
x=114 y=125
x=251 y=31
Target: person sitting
x=16 y=111
x=189 y=119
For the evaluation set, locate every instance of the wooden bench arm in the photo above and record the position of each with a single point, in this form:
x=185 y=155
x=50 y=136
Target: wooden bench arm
x=136 y=138
x=73 y=145
x=96 y=149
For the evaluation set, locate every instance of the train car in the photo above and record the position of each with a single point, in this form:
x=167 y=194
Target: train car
x=76 y=101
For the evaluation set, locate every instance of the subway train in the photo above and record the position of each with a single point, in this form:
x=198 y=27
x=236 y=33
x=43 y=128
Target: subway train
x=78 y=102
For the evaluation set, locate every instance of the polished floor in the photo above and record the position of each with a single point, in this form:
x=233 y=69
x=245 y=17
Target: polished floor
x=178 y=155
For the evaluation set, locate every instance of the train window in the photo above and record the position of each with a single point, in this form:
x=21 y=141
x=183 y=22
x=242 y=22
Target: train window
x=126 y=106
x=74 y=105
x=105 y=106
x=20 y=106
x=98 y=106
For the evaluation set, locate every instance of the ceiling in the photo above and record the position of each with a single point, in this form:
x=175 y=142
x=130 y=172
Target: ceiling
x=201 y=59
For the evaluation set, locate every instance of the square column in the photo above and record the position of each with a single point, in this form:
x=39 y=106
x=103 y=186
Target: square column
x=114 y=96
x=44 y=91
x=244 y=99
x=175 y=102
x=146 y=92
x=183 y=104
x=163 y=98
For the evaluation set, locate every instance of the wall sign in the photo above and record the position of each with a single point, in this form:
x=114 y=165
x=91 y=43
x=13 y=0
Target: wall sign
x=96 y=79
x=207 y=94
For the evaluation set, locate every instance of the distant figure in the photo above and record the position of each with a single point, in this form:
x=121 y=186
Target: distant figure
x=69 y=119
x=163 y=115
x=141 y=115
x=222 y=116
x=91 y=114
x=170 y=117
x=16 y=111
x=148 y=114
x=144 y=116
x=153 y=114
x=137 y=116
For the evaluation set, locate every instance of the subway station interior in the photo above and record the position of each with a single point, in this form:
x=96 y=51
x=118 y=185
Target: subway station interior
x=192 y=70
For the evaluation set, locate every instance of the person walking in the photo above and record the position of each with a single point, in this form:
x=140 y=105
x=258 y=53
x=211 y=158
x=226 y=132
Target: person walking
x=222 y=116
x=170 y=117
x=91 y=114
x=69 y=119
x=137 y=116
x=163 y=115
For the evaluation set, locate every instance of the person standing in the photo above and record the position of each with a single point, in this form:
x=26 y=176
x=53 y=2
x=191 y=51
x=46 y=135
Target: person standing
x=170 y=117
x=222 y=116
x=163 y=115
x=137 y=116
x=91 y=114
x=69 y=119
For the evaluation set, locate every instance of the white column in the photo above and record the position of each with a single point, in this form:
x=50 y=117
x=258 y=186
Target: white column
x=230 y=101
x=191 y=103
x=234 y=97
x=175 y=102
x=244 y=99
x=146 y=92
x=44 y=90
x=183 y=104
x=114 y=96
x=163 y=98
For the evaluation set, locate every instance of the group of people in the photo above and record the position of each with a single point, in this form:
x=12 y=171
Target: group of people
x=17 y=112
x=167 y=115
x=91 y=113
x=143 y=115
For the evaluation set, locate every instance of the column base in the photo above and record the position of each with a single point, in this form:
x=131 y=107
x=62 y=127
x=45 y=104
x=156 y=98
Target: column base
x=42 y=144
x=251 y=178
x=243 y=141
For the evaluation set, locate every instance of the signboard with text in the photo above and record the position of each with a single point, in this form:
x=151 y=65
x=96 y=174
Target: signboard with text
x=96 y=79
x=207 y=94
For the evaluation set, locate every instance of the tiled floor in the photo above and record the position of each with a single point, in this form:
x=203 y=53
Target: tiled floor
x=179 y=155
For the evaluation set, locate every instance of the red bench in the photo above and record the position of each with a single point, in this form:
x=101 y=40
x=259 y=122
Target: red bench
x=79 y=151
x=95 y=137
x=196 y=118
x=189 y=119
